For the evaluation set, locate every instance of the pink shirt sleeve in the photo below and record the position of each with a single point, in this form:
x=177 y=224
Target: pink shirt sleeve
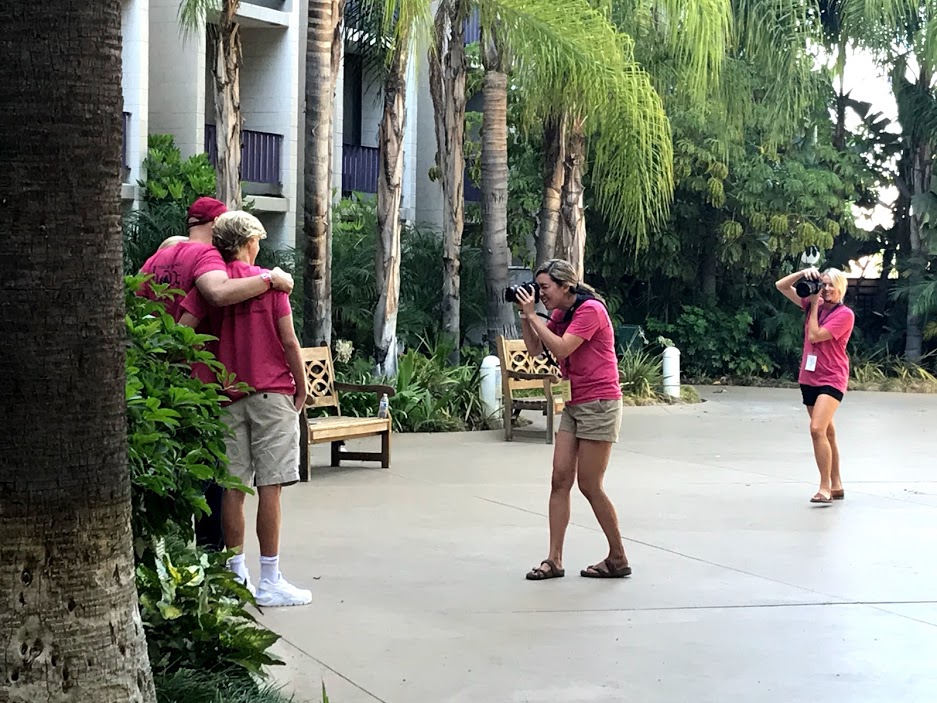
x=839 y=322
x=209 y=259
x=195 y=304
x=586 y=322
x=281 y=304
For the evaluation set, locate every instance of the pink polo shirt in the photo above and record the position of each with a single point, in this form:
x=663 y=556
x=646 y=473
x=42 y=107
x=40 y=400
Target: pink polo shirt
x=248 y=343
x=180 y=266
x=592 y=370
x=832 y=360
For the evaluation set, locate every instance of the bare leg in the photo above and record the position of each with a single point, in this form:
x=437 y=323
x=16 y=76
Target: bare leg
x=268 y=520
x=564 y=473
x=232 y=519
x=593 y=461
x=821 y=417
x=836 y=480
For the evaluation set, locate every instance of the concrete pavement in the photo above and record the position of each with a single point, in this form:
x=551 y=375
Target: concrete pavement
x=742 y=591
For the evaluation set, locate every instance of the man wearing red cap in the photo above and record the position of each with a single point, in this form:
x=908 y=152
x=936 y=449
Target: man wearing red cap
x=193 y=262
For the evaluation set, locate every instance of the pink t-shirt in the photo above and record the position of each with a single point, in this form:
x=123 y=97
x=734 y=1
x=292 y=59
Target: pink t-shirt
x=181 y=266
x=832 y=361
x=592 y=370
x=248 y=337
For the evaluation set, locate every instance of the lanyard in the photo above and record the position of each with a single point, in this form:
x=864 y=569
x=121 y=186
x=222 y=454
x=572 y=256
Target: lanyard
x=827 y=316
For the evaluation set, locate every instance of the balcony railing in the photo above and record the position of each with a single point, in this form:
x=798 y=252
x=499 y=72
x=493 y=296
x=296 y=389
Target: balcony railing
x=359 y=169
x=260 y=154
x=125 y=142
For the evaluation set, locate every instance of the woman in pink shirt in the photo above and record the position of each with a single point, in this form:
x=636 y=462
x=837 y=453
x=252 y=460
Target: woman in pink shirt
x=579 y=335
x=824 y=368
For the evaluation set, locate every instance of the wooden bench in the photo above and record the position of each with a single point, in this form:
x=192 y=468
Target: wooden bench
x=522 y=372
x=335 y=429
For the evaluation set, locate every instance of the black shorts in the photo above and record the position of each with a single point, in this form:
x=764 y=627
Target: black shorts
x=811 y=393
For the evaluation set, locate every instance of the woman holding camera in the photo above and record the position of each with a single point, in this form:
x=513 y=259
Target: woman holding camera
x=824 y=365
x=579 y=335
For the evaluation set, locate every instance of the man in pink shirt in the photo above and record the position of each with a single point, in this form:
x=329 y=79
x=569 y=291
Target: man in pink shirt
x=256 y=343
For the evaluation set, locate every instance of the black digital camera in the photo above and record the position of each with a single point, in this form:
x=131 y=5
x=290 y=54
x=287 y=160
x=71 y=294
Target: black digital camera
x=510 y=293
x=806 y=287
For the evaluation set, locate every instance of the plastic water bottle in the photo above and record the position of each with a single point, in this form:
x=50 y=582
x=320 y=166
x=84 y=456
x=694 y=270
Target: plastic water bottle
x=383 y=407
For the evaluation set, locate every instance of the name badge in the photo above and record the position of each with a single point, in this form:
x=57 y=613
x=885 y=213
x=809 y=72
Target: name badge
x=811 y=364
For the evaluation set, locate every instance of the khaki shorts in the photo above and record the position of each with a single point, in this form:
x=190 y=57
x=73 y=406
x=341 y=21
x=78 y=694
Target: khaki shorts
x=598 y=420
x=264 y=450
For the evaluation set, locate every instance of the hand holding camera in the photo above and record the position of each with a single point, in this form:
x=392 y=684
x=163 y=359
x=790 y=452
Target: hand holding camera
x=524 y=296
x=810 y=284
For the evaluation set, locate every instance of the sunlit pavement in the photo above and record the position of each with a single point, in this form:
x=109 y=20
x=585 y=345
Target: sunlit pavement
x=742 y=591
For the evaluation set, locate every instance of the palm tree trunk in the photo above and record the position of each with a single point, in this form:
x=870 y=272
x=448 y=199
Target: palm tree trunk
x=494 y=163
x=573 y=222
x=325 y=18
x=554 y=173
x=70 y=627
x=226 y=80
x=447 y=71
x=921 y=172
x=389 y=192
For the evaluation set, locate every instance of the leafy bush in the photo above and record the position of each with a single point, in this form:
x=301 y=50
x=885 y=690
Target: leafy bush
x=884 y=372
x=430 y=396
x=175 y=431
x=188 y=686
x=640 y=374
x=172 y=184
x=194 y=614
x=715 y=343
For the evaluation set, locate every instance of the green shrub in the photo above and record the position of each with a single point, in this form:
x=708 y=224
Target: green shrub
x=189 y=686
x=715 y=343
x=640 y=374
x=430 y=396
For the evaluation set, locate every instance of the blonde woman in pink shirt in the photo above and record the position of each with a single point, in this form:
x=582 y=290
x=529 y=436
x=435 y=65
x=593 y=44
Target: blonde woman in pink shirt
x=824 y=367
x=579 y=335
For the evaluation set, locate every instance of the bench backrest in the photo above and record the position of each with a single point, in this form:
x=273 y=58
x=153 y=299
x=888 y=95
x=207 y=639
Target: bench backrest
x=320 y=379
x=514 y=357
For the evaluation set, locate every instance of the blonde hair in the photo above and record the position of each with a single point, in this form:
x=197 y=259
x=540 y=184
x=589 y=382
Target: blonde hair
x=563 y=274
x=232 y=231
x=839 y=280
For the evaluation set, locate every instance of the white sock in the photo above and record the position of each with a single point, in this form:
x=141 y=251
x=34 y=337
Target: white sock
x=270 y=568
x=236 y=564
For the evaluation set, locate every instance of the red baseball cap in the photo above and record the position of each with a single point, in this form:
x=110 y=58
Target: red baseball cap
x=204 y=210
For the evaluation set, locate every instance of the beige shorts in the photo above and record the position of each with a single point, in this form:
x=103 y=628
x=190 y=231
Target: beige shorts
x=264 y=450
x=598 y=420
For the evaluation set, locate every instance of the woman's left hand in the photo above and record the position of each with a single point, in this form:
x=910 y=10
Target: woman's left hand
x=815 y=300
x=525 y=301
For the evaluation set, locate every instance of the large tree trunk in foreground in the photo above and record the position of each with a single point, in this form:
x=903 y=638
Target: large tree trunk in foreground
x=494 y=158
x=921 y=173
x=571 y=244
x=70 y=628
x=447 y=70
x=389 y=193
x=226 y=81
x=323 y=56
x=554 y=173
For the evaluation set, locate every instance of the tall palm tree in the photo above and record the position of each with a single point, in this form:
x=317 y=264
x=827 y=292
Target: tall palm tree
x=70 y=628
x=323 y=60
x=447 y=74
x=225 y=55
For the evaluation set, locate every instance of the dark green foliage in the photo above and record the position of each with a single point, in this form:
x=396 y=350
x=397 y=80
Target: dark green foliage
x=714 y=343
x=430 y=395
x=174 y=427
x=172 y=184
x=188 y=686
x=195 y=616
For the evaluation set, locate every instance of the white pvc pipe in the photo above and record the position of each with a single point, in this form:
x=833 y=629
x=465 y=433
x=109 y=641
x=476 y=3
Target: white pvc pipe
x=672 y=371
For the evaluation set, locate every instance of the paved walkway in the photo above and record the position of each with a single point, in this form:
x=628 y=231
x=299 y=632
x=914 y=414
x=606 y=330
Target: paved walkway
x=741 y=590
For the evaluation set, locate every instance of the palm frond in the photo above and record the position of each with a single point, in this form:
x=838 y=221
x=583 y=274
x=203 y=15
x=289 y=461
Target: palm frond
x=193 y=14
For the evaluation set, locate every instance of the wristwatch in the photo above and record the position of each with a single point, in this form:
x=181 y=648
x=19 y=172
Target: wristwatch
x=268 y=277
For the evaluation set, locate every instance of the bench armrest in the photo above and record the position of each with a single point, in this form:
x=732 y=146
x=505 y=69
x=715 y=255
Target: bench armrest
x=376 y=388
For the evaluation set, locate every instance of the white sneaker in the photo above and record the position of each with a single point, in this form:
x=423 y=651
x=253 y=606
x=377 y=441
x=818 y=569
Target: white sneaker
x=281 y=593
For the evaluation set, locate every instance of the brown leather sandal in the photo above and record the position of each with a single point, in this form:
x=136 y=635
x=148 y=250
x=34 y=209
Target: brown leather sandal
x=538 y=573
x=838 y=495
x=820 y=498
x=610 y=572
